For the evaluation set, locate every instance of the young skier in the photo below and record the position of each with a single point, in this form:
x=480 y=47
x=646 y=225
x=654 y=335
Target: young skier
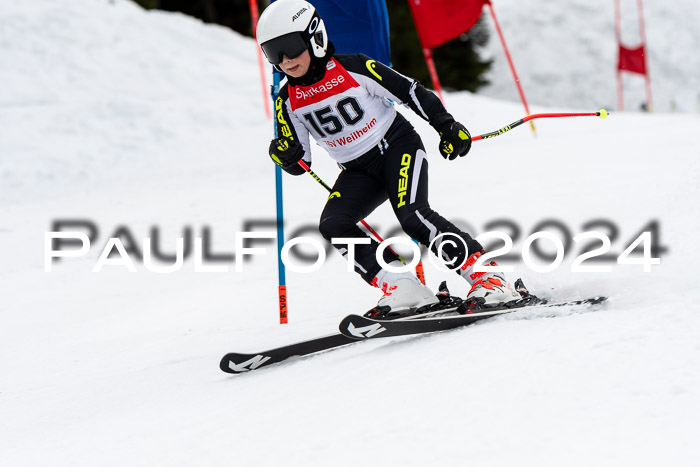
x=345 y=103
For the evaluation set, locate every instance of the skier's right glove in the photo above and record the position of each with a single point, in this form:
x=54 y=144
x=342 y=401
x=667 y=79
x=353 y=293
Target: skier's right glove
x=455 y=140
x=286 y=152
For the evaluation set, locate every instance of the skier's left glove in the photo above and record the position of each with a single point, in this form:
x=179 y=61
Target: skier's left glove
x=286 y=152
x=455 y=140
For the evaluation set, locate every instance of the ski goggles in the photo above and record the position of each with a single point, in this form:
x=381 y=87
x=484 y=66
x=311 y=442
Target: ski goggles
x=292 y=45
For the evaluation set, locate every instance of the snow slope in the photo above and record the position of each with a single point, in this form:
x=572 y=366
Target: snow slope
x=150 y=124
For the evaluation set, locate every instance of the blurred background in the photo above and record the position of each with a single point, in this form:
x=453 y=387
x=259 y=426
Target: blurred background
x=576 y=40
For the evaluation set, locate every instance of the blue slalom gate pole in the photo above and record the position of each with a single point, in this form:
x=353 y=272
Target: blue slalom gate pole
x=282 y=280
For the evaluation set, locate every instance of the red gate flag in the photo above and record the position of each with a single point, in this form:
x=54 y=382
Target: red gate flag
x=632 y=60
x=440 y=21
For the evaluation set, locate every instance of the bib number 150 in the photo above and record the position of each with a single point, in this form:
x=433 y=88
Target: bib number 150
x=328 y=121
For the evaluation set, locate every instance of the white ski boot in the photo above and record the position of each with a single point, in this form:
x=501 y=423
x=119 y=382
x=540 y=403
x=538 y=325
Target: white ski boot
x=403 y=292
x=489 y=289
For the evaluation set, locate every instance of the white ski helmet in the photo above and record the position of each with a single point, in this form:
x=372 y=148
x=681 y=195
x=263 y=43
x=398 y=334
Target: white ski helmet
x=289 y=27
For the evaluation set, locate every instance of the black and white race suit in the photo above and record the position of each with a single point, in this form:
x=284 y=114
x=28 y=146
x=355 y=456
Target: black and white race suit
x=349 y=111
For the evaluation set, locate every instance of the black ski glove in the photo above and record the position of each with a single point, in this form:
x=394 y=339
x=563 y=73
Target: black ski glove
x=286 y=152
x=455 y=140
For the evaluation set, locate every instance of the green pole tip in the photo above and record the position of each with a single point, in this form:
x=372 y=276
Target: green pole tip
x=602 y=113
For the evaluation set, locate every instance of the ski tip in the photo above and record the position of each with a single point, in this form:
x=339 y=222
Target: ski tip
x=223 y=365
x=246 y=362
x=360 y=327
x=602 y=113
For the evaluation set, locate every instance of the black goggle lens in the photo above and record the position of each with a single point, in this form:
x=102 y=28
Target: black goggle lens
x=292 y=45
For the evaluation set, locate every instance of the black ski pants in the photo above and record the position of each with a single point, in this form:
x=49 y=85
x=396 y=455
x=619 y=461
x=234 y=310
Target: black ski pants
x=396 y=170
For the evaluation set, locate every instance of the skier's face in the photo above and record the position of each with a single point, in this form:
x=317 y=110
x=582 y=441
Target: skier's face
x=296 y=67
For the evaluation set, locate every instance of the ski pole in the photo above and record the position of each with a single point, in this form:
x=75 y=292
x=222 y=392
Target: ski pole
x=602 y=113
x=419 y=266
x=330 y=190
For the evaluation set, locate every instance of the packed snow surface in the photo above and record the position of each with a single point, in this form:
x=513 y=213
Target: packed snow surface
x=151 y=125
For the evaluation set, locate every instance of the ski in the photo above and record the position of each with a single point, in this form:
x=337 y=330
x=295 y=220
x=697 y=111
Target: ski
x=362 y=328
x=451 y=312
x=355 y=328
x=236 y=363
